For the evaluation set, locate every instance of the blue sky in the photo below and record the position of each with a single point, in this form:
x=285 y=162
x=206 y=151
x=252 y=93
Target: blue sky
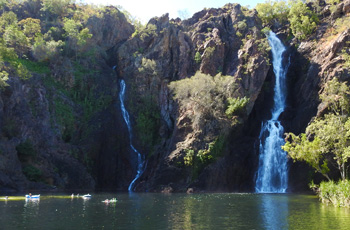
x=146 y=9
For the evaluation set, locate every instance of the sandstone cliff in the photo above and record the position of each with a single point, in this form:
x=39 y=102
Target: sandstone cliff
x=63 y=127
x=240 y=52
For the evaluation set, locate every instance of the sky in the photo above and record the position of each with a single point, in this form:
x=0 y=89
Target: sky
x=146 y=9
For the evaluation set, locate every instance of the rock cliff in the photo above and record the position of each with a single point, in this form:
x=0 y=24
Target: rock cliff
x=63 y=128
x=223 y=47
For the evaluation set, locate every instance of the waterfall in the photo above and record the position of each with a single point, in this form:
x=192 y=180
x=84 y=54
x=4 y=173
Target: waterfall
x=140 y=158
x=272 y=175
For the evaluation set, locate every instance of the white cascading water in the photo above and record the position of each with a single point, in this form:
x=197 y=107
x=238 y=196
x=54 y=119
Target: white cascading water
x=140 y=158
x=272 y=175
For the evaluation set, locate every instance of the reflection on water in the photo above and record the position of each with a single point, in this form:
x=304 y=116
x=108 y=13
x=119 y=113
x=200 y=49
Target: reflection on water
x=174 y=211
x=274 y=211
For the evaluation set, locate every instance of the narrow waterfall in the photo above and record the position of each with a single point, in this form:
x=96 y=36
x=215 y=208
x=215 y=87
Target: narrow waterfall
x=272 y=175
x=140 y=157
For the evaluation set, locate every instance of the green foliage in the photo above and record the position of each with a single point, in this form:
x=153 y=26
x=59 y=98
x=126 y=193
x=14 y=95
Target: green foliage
x=36 y=67
x=198 y=161
x=204 y=95
x=147 y=122
x=346 y=58
x=26 y=149
x=149 y=31
x=46 y=50
x=8 y=56
x=77 y=36
x=22 y=71
x=214 y=151
x=209 y=52
x=266 y=30
x=32 y=173
x=65 y=117
x=236 y=106
x=188 y=159
x=84 y=95
x=337 y=194
x=242 y=25
x=299 y=148
x=336 y=96
x=56 y=7
x=4 y=76
x=14 y=37
x=327 y=138
x=273 y=11
x=31 y=28
x=302 y=21
x=83 y=36
x=198 y=57
x=7 y=19
x=148 y=67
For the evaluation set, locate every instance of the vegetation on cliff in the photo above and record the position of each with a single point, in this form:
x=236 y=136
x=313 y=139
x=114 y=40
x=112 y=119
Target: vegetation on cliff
x=53 y=84
x=296 y=13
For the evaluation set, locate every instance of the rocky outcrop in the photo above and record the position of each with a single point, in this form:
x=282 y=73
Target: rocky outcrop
x=171 y=45
x=64 y=129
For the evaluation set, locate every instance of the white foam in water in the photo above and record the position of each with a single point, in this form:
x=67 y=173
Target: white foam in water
x=140 y=158
x=272 y=175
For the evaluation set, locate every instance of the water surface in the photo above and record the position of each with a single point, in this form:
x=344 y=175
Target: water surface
x=174 y=211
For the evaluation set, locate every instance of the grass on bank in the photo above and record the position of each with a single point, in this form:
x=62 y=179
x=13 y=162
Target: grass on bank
x=335 y=193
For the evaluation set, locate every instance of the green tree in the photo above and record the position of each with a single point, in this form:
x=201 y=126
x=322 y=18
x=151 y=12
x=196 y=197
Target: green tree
x=4 y=76
x=7 y=19
x=46 y=50
x=300 y=148
x=197 y=57
x=31 y=28
x=336 y=97
x=56 y=7
x=273 y=11
x=9 y=62
x=76 y=36
x=15 y=38
x=205 y=95
x=236 y=106
x=302 y=21
x=2 y=5
x=327 y=138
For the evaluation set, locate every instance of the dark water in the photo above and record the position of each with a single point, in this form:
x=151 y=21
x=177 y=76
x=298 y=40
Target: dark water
x=174 y=211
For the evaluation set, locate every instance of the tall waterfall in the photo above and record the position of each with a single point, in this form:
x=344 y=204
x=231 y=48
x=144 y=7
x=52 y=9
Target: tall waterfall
x=272 y=176
x=140 y=158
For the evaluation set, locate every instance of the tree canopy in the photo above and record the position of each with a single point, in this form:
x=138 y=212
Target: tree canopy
x=327 y=138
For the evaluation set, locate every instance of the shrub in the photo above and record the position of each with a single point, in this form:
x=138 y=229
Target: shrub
x=46 y=50
x=337 y=194
x=65 y=117
x=36 y=67
x=241 y=25
x=188 y=159
x=147 y=122
x=32 y=173
x=198 y=58
x=26 y=149
x=236 y=106
x=302 y=21
x=271 y=11
x=204 y=94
